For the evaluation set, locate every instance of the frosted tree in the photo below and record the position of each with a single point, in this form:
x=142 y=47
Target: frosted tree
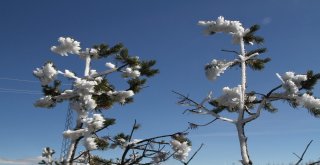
x=295 y=89
x=93 y=93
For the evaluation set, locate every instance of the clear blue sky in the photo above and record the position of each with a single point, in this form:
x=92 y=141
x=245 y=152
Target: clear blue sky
x=167 y=31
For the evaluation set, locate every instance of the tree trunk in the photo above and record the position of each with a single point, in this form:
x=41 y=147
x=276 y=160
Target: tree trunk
x=73 y=146
x=243 y=144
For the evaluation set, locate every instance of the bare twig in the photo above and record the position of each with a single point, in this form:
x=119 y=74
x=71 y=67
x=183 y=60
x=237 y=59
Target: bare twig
x=305 y=150
x=186 y=163
x=202 y=109
x=315 y=163
x=272 y=90
x=83 y=153
x=193 y=125
x=133 y=128
x=230 y=51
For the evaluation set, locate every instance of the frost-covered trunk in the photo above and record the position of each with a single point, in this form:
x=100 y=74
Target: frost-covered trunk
x=73 y=146
x=74 y=143
x=243 y=144
x=71 y=149
x=240 y=123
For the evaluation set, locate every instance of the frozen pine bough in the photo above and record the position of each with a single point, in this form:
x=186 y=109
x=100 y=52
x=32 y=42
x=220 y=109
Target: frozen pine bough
x=295 y=89
x=91 y=93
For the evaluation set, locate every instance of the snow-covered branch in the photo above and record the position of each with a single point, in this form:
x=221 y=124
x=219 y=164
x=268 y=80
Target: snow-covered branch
x=199 y=108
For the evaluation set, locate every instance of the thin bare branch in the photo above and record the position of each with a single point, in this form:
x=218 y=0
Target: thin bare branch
x=272 y=90
x=83 y=153
x=305 y=150
x=193 y=125
x=202 y=109
x=230 y=51
x=132 y=130
x=186 y=163
x=315 y=163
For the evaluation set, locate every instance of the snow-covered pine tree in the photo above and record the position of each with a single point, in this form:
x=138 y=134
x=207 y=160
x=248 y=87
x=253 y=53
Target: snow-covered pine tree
x=296 y=89
x=91 y=94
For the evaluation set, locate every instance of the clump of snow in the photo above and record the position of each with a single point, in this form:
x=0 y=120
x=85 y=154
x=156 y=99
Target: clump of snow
x=251 y=98
x=89 y=143
x=69 y=74
x=136 y=67
x=44 y=102
x=292 y=82
x=226 y=26
x=110 y=65
x=89 y=103
x=181 y=150
x=129 y=72
x=67 y=45
x=120 y=96
x=98 y=79
x=215 y=68
x=74 y=134
x=93 y=73
x=46 y=74
x=67 y=94
x=308 y=101
x=84 y=87
x=94 y=123
x=230 y=97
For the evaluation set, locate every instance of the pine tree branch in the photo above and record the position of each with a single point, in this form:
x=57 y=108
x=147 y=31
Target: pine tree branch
x=268 y=97
x=148 y=141
x=203 y=109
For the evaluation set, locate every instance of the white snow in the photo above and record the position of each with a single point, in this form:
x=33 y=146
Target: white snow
x=181 y=149
x=230 y=97
x=129 y=72
x=110 y=65
x=216 y=68
x=120 y=96
x=308 y=101
x=89 y=143
x=67 y=45
x=44 y=102
x=292 y=82
x=46 y=74
x=226 y=26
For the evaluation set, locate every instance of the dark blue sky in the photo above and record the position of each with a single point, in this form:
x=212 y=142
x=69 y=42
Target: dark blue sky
x=167 y=31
